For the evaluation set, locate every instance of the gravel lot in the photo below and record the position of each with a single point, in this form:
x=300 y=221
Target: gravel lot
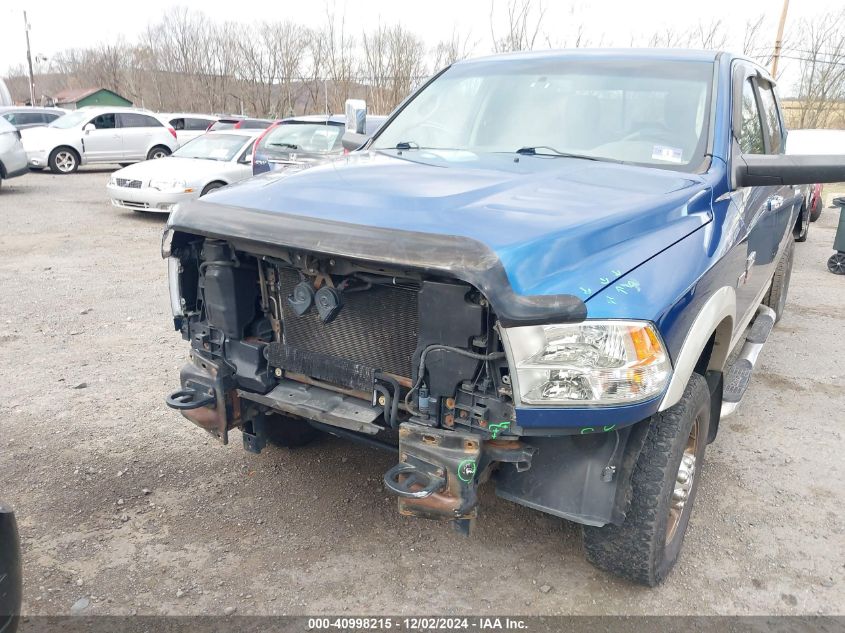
x=127 y=508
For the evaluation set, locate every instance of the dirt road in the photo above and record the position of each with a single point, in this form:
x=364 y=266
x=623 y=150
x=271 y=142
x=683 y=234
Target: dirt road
x=126 y=508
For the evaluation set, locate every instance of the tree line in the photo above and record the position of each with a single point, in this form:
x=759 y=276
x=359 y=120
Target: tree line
x=188 y=62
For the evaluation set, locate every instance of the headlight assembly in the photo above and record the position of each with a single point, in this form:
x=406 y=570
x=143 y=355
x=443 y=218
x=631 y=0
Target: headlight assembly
x=589 y=363
x=174 y=270
x=168 y=185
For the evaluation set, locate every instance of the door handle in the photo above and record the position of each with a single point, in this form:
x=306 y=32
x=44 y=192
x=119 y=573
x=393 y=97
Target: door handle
x=774 y=202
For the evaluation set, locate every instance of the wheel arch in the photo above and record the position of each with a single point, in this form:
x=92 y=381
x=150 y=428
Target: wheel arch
x=707 y=344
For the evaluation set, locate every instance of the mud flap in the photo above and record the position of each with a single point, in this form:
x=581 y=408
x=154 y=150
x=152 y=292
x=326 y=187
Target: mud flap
x=208 y=396
x=436 y=474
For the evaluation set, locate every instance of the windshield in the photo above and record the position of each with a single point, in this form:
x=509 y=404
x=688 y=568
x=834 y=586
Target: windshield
x=71 y=120
x=212 y=147
x=316 y=138
x=639 y=111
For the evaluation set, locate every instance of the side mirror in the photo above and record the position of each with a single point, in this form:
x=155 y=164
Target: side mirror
x=352 y=141
x=760 y=170
x=356 y=116
x=89 y=127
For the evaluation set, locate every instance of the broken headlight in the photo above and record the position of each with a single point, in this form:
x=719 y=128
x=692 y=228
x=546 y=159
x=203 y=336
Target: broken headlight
x=174 y=278
x=589 y=363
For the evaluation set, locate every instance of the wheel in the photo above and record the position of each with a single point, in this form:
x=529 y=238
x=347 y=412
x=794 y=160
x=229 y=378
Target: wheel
x=289 y=432
x=816 y=210
x=802 y=227
x=836 y=263
x=663 y=485
x=63 y=160
x=212 y=186
x=159 y=151
x=776 y=296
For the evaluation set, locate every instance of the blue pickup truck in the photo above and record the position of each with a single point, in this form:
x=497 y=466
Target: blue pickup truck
x=550 y=273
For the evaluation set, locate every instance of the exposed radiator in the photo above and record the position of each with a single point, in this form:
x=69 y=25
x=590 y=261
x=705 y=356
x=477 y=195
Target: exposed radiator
x=376 y=330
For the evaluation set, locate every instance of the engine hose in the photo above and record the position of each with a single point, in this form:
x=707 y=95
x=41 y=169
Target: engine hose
x=444 y=348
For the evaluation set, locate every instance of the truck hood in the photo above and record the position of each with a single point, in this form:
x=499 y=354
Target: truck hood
x=556 y=225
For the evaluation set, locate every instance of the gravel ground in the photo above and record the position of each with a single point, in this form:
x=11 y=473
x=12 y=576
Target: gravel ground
x=125 y=507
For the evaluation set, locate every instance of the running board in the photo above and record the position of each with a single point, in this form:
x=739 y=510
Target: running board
x=738 y=376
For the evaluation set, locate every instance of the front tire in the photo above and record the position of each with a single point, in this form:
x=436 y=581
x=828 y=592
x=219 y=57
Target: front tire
x=63 y=160
x=288 y=432
x=776 y=297
x=159 y=151
x=645 y=547
x=212 y=186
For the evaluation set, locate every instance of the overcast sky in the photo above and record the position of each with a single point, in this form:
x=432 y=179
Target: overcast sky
x=79 y=23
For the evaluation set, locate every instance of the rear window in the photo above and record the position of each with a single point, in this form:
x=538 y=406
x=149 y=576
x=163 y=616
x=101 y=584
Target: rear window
x=223 y=124
x=132 y=119
x=255 y=124
x=313 y=138
x=196 y=125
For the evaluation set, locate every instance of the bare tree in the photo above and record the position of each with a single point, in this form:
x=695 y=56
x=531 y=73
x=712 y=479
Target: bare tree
x=524 y=18
x=821 y=63
x=449 y=51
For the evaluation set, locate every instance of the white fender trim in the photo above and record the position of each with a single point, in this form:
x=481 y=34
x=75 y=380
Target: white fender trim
x=721 y=305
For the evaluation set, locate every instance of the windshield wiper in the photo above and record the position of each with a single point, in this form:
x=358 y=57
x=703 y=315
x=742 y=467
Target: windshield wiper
x=532 y=151
x=407 y=145
x=288 y=145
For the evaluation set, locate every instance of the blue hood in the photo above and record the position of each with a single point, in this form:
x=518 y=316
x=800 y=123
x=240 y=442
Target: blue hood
x=557 y=225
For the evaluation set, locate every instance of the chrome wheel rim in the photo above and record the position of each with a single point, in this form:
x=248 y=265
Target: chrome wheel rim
x=158 y=154
x=684 y=479
x=65 y=161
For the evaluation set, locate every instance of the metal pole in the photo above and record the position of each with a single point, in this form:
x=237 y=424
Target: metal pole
x=29 y=62
x=779 y=40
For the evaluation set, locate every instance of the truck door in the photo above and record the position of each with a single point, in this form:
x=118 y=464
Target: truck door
x=765 y=210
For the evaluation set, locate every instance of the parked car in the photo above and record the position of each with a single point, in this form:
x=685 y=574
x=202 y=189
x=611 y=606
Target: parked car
x=209 y=162
x=188 y=126
x=547 y=300
x=24 y=117
x=98 y=135
x=303 y=140
x=239 y=122
x=12 y=154
x=827 y=142
x=11 y=585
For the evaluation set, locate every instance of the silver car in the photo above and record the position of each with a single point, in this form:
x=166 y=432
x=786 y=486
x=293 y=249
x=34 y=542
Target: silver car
x=12 y=153
x=208 y=162
x=98 y=135
x=24 y=117
x=189 y=126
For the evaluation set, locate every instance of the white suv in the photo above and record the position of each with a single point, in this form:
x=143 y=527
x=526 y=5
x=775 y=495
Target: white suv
x=98 y=135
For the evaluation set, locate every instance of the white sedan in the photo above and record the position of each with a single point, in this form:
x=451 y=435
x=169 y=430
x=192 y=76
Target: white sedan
x=208 y=162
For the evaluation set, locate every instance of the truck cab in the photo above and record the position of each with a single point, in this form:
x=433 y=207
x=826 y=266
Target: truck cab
x=532 y=278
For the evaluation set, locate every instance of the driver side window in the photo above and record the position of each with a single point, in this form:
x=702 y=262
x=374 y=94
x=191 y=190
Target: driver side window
x=751 y=130
x=104 y=121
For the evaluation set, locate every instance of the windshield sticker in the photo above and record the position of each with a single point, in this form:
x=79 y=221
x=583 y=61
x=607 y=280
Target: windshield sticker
x=669 y=154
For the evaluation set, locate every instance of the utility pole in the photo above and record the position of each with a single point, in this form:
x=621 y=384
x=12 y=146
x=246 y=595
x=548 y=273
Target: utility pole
x=779 y=40
x=29 y=62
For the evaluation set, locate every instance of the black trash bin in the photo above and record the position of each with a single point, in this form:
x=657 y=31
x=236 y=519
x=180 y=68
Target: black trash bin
x=10 y=571
x=836 y=263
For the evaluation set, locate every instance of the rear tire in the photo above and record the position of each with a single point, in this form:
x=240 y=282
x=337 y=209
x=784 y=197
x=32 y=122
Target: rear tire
x=776 y=297
x=288 y=432
x=646 y=546
x=63 y=160
x=802 y=228
x=159 y=151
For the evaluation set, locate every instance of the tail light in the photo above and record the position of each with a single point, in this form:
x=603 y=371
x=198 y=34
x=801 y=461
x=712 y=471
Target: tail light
x=258 y=140
x=239 y=124
x=172 y=131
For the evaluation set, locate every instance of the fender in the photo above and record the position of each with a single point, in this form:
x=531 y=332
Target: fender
x=720 y=306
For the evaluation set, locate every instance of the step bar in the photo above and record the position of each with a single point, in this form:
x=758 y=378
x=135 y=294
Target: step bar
x=738 y=377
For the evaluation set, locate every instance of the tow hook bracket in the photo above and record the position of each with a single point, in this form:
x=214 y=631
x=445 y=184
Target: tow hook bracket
x=436 y=476
x=192 y=396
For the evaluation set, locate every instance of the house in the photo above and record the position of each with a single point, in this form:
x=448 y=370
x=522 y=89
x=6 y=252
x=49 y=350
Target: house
x=76 y=98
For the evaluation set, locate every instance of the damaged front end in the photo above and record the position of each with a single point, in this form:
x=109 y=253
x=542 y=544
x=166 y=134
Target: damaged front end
x=372 y=352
